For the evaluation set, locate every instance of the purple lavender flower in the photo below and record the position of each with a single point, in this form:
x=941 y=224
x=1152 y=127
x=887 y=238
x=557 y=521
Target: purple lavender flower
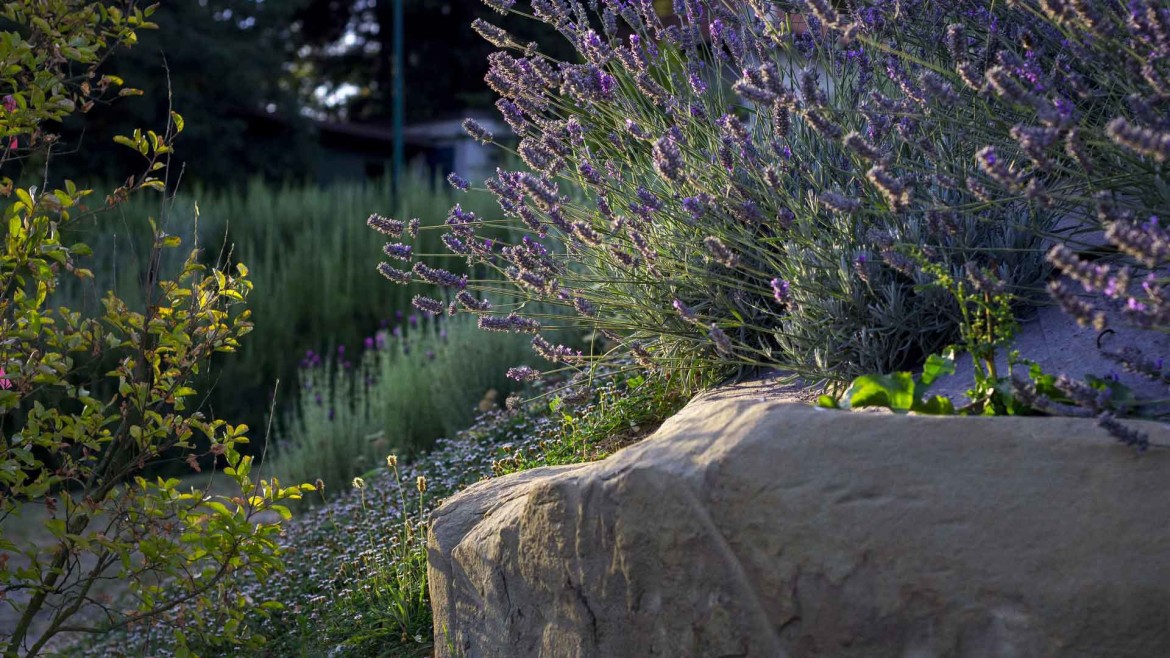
x=1146 y=141
x=990 y=163
x=394 y=274
x=1131 y=437
x=862 y=148
x=583 y=307
x=501 y=6
x=440 y=277
x=822 y=124
x=512 y=322
x=471 y=303
x=668 y=159
x=719 y=252
x=696 y=205
x=385 y=225
x=427 y=304
x=839 y=203
x=458 y=182
x=781 y=290
x=1081 y=310
x=398 y=250
x=896 y=192
x=493 y=34
x=587 y=83
x=523 y=374
x=722 y=342
x=554 y=353
x=684 y=311
x=543 y=192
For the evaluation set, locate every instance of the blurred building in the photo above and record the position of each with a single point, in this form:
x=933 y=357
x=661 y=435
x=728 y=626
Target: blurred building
x=347 y=152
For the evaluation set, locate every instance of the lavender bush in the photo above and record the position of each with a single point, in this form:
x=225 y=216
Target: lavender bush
x=407 y=385
x=725 y=189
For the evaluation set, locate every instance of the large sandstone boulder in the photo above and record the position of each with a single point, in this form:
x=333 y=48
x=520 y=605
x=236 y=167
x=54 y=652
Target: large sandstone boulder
x=749 y=527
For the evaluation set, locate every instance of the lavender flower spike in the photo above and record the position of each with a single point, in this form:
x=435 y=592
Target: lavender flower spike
x=398 y=250
x=494 y=35
x=477 y=131
x=1152 y=143
x=781 y=290
x=668 y=159
x=394 y=274
x=428 y=305
x=458 y=182
x=684 y=311
x=722 y=342
x=385 y=225
x=719 y=252
x=523 y=374
x=440 y=277
x=501 y=6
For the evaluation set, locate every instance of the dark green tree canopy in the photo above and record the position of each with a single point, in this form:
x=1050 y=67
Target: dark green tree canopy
x=224 y=64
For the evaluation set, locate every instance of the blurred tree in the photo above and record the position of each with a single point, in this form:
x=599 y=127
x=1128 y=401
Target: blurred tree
x=227 y=75
x=342 y=67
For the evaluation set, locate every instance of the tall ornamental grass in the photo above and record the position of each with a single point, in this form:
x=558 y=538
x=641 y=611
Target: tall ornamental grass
x=759 y=191
x=312 y=266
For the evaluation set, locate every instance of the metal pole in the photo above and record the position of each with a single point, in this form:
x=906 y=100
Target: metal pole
x=398 y=73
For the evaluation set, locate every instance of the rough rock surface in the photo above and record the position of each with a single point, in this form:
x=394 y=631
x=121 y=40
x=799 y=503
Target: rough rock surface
x=750 y=527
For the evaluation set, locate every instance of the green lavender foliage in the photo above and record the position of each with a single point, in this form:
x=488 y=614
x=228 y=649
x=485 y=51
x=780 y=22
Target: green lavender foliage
x=728 y=220
x=1076 y=92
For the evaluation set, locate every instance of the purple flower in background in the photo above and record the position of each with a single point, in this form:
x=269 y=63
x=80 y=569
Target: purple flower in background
x=369 y=343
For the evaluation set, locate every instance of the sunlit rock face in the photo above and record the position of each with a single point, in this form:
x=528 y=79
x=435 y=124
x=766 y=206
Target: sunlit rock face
x=748 y=526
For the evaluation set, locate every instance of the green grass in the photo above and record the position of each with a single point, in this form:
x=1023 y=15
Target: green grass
x=311 y=258
x=621 y=414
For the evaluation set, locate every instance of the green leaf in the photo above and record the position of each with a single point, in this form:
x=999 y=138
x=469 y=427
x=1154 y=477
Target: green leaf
x=894 y=391
x=219 y=508
x=936 y=366
x=827 y=402
x=935 y=406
